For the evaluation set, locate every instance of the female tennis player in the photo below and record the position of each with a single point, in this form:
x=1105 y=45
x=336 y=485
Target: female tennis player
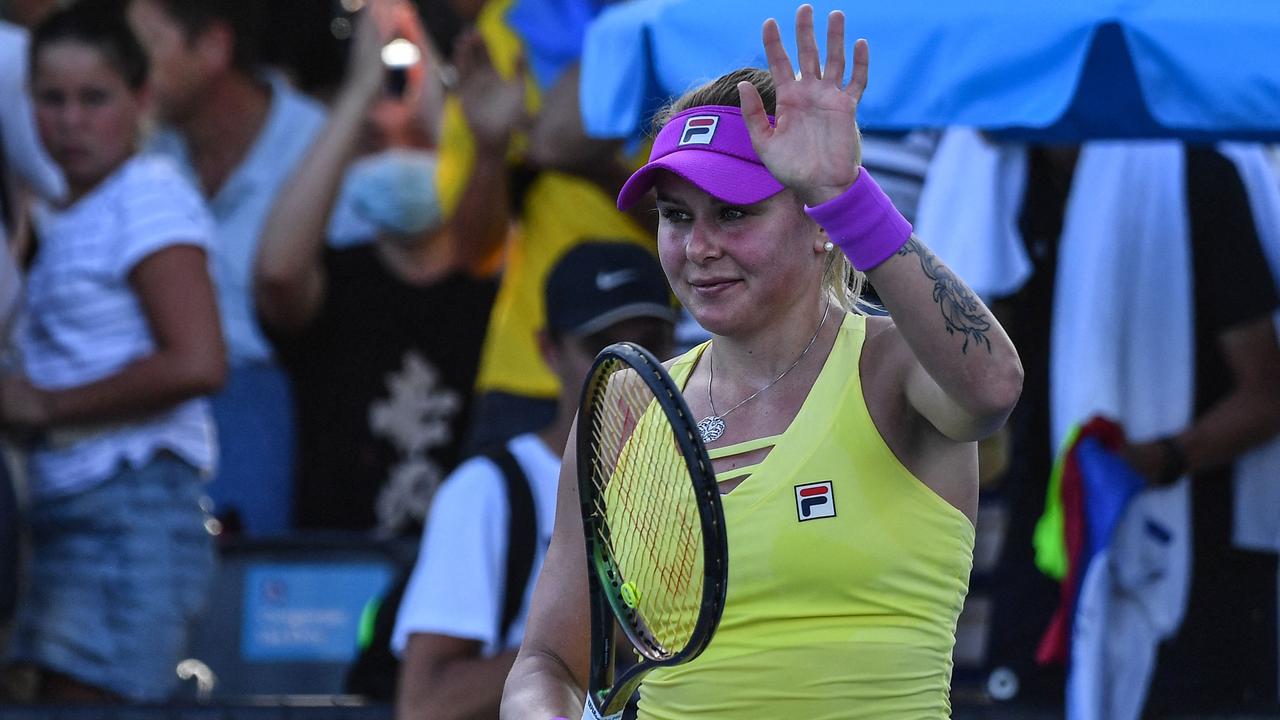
x=844 y=444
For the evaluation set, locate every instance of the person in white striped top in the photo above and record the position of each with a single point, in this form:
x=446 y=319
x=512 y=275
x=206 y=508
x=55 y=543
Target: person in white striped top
x=119 y=343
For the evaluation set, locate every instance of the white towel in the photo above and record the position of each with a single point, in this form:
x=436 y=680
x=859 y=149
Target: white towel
x=1122 y=327
x=1116 y=637
x=968 y=211
x=1121 y=348
x=968 y=214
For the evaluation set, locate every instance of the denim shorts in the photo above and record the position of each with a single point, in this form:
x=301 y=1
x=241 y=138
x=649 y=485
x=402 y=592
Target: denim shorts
x=118 y=574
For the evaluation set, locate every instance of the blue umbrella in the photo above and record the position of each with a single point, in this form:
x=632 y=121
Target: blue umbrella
x=1035 y=69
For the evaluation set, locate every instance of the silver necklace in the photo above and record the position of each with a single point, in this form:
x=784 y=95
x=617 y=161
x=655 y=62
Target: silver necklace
x=711 y=428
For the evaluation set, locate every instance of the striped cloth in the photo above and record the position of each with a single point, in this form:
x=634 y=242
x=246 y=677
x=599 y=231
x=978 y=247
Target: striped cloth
x=84 y=322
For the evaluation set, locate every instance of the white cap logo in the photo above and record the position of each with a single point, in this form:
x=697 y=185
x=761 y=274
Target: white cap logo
x=699 y=130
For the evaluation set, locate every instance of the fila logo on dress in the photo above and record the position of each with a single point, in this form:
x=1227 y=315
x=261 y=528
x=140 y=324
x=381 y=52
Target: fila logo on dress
x=699 y=129
x=815 y=500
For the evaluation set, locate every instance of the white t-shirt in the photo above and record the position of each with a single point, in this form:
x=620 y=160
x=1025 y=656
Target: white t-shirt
x=83 y=321
x=457 y=585
x=243 y=204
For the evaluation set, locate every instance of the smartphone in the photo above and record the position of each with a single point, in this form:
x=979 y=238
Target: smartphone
x=398 y=56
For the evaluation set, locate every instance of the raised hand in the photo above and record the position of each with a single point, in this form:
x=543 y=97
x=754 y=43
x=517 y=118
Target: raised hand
x=493 y=105
x=375 y=26
x=815 y=148
x=427 y=81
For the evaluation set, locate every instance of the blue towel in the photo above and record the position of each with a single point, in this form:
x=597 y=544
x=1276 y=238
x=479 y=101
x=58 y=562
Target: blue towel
x=1109 y=484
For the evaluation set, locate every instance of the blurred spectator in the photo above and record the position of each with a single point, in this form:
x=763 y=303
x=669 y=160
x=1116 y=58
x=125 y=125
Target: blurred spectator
x=562 y=186
x=381 y=339
x=459 y=624
x=1142 y=262
x=239 y=132
x=119 y=339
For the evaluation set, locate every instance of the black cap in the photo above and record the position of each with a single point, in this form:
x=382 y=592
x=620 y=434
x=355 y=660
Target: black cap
x=599 y=283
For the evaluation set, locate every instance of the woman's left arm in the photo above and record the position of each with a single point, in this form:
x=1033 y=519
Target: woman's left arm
x=962 y=373
x=176 y=295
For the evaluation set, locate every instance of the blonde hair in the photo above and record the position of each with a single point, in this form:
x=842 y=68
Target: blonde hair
x=839 y=279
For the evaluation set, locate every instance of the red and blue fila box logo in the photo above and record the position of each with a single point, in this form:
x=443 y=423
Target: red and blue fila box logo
x=815 y=500
x=699 y=129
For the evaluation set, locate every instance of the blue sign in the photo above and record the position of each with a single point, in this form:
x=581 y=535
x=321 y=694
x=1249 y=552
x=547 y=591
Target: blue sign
x=307 y=613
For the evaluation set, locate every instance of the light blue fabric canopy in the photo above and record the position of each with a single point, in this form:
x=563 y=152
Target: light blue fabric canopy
x=1037 y=69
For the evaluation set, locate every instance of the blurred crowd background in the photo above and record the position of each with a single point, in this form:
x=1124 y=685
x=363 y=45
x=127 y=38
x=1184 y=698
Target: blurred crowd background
x=297 y=296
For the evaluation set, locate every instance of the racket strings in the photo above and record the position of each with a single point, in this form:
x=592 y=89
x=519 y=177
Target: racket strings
x=650 y=526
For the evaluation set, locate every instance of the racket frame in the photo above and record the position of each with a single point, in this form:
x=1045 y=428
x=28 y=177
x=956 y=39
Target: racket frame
x=607 y=695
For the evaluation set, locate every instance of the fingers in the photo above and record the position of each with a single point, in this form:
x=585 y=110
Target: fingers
x=775 y=53
x=807 y=49
x=861 y=63
x=806 y=44
x=753 y=112
x=834 y=69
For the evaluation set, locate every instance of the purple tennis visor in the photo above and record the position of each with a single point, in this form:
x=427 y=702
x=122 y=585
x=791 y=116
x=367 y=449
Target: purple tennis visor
x=710 y=147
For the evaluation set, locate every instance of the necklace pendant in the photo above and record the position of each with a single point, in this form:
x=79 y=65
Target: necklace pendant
x=711 y=428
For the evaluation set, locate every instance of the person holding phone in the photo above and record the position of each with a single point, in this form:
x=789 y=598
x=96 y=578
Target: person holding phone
x=381 y=339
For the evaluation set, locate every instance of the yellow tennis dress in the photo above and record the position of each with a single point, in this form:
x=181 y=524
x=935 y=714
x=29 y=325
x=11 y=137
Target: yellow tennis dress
x=846 y=574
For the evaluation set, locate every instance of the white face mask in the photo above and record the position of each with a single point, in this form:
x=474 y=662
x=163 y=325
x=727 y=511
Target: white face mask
x=395 y=190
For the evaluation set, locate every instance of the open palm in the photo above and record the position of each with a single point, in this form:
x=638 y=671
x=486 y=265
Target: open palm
x=814 y=149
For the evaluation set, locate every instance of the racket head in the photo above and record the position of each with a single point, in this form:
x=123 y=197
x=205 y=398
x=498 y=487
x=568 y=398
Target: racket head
x=652 y=519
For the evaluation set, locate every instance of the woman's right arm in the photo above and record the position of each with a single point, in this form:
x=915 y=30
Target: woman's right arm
x=549 y=677
x=288 y=279
x=176 y=296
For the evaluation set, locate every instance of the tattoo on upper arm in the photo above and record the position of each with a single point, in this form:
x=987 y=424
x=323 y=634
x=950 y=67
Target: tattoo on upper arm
x=960 y=308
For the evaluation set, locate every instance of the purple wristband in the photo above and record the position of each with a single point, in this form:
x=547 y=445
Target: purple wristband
x=863 y=222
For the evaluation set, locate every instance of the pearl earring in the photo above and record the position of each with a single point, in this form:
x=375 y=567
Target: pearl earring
x=828 y=246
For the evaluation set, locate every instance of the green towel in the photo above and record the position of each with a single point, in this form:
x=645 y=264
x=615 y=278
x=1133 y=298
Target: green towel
x=1050 y=538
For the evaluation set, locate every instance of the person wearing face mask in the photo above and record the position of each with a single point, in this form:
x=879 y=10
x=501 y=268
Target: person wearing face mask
x=381 y=339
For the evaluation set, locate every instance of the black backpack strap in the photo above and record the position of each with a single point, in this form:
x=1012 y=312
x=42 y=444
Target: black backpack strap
x=522 y=537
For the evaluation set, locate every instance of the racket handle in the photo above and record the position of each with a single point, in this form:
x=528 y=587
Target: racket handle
x=589 y=712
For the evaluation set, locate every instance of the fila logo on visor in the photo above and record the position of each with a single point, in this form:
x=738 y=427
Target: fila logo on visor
x=815 y=500
x=699 y=129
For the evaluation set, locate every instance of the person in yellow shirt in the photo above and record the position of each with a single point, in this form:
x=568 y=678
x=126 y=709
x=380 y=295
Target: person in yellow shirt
x=845 y=445
x=556 y=188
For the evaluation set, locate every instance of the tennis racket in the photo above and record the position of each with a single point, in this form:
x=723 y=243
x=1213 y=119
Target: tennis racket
x=656 y=553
